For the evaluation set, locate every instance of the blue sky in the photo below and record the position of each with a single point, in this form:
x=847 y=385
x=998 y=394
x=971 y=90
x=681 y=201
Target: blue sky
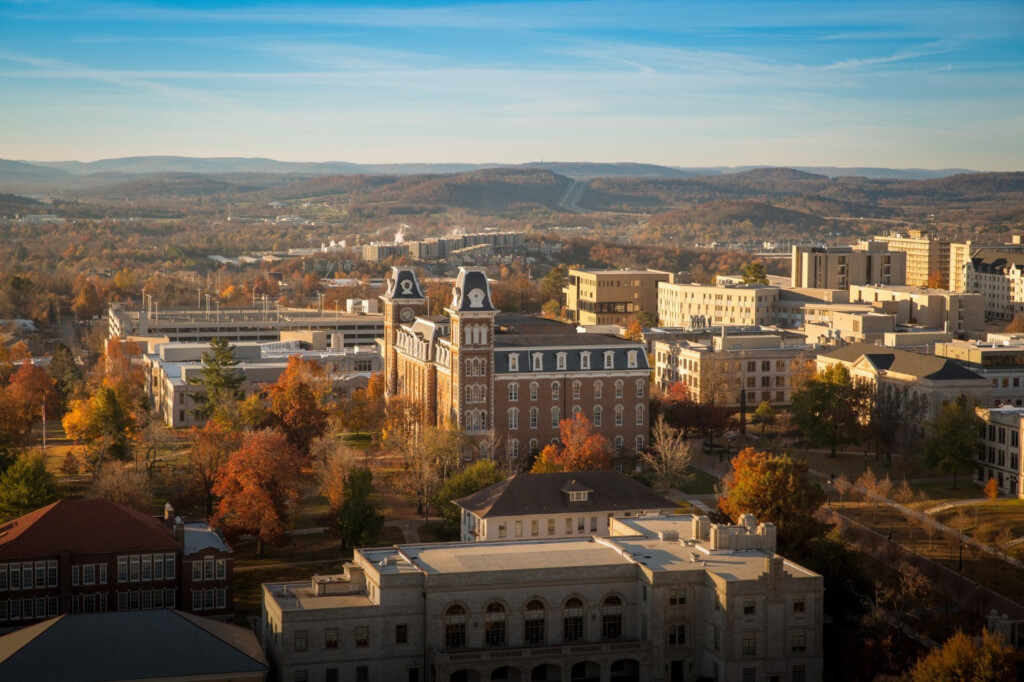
x=900 y=84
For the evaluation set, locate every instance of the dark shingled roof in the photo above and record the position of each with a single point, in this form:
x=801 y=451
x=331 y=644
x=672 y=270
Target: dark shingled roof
x=549 y=340
x=129 y=645
x=525 y=494
x=90 y=526
x=402 y=284
x=472 y=291
x=899 y=361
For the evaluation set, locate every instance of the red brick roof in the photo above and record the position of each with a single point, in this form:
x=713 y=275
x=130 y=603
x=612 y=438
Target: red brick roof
x=83 y=527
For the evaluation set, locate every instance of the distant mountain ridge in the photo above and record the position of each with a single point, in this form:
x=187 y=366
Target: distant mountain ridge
x=576 y=170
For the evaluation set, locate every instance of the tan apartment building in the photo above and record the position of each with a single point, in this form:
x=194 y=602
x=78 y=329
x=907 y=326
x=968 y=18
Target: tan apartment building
x=999 y=277
x=960 y=254
x=951 y=311
x=815 y=267
x=706 y=305
x=594 y=297
x=725 y=368
x=926 y=253
x=1000 y=359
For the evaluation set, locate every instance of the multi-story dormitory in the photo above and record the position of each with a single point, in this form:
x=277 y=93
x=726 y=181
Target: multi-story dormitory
x=509 y=389
x=665 y=598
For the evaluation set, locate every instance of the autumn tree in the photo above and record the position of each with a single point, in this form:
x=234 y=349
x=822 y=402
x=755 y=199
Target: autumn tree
x=635 y=331
x=551 y=284
x=357 y=522
x=434 y=457
x=259 y=488
x=364 y=411
x=468 y=480
x=764 y=415
x=26 y=486
x=1016 y=325
x=896 y=601
x=895 y=421
x=754 y=273
x=668 y=458
x=991 y=489
x=65 y=372
x=775 y=488
x=953 y=445
x=208 y=451
x=579 y=449
x=87 y=303
x=935 y=280
x=298 y=402
x=124 y=485
x=829 y=407
x=219 y=379
x=22 y=402
x=103 y=424
x=961 y=657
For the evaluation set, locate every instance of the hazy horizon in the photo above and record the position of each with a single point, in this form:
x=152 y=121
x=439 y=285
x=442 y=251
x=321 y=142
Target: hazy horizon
x=898 y=85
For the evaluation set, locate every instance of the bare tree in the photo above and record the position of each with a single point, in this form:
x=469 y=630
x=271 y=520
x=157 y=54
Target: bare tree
x=843 y=486
x=668 y=457
x=119 y=483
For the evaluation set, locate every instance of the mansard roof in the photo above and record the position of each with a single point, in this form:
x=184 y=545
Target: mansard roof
x=472 y=292
x=573 y=345
x=403 y=285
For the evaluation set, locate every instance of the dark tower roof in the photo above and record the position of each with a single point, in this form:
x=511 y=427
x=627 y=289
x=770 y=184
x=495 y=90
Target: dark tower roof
x=472 y=292
x=403 y=285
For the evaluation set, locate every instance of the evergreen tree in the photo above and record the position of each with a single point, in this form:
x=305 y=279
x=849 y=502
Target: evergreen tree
x=358 y=522
x=26 y=486
x=953 y=445
x=219 y=378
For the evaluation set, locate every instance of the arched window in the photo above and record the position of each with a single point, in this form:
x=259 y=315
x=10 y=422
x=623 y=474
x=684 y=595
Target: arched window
x=455 y=627
x=640 y=388
x=534 y=413
x=534 y=445
x=533 y=630
x=639 y=415
x=598 y=413
x=618 y=445
x=598 y=386
x=555 y=390
x=469 y=335
x=483 y=334
x=576 y=409
x=494 y=624
x=618 y=415
x=513 y=418
x=534 y=387
x=611 y=618
x=576 y=389
x=618 y=388
x=513 y=392
x=639 y=443
x=572 y=620
x=469 y=394
x=554 y=417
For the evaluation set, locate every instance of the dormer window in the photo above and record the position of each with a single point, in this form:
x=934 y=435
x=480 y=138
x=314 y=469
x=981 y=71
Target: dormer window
x=538 y=362
x=585 y=360
x=580 y=496
x=513 y=362
x=560 y=362
x=609 y=359
x=631 y=359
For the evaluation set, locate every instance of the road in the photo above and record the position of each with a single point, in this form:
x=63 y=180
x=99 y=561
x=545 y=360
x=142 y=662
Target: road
x=570 y=201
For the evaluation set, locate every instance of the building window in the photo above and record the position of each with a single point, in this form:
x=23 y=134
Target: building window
x=300 y=676
x=147 y=567
x=534 y=446
x=618 y=447
x=748 y=607
x=331 y=675
x=331 y=638
x=576 y=390
x=534 y=528
x=197 y=571
x=513 y=418
x=519 y=529
x=551 y=526
x=568 y=526
x=598 y=410
x=611 y=618
x=799 y=673
x=798 y=605
x=300 y=640
x=538 y=362
x=534 y=387
x=750 y=675
x=676 y=635
x=585 y=360
x=501 y=530
x=51 y=574
x=133 y=564
x=554 y=417
x=609 y=359
x=222 y=566
x=401 y=634
x=598 y=387
x=513 y=362
x=717 y=637
x=362 y=636
x=618 y=415
x=102 y=578
x=748 y=643
x=676 y=596
x=640 y=388
x=631 y=359
x=555 y=390
x=513 y=393
x=618 y=388
x=74 y=575
x=494 y=624
x=169 y=566
x=572 y=620
x=534 y=412
x=533 y=632
x=362 y=673
x=799 y=640
x=639 y=415
x=513 y=449
x=639 y=443
x=560 y=360
x=455 y=627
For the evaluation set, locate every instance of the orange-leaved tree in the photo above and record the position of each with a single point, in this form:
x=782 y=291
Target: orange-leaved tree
x=580 y=449
x=963 y=657
x=776 y=489
x=260 y=488
x=298 y=402
x=209 y=448
x=22 y=402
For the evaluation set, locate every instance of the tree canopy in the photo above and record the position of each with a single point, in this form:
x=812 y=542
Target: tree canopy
x=754 y=272
x=953 y=444
x=219 y=379
x=581 y=449
x=470 y=479
x=26 y=486
x=298 y=402
x=358 y=522
x=829 y=408
x=961 y=657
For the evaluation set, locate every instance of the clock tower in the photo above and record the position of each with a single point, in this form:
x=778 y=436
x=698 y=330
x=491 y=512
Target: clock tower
x=403 y=301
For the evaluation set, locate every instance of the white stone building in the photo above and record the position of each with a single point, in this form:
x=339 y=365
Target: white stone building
x=999 y=455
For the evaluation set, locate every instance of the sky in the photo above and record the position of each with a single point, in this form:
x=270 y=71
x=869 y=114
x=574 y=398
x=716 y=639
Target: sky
x=894 y=84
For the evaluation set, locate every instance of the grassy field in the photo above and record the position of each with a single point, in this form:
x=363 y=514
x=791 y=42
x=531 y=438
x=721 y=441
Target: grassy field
x=699 y=483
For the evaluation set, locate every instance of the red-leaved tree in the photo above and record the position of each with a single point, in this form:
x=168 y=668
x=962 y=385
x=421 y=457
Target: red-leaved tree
x=298 y=402
x=581 y=449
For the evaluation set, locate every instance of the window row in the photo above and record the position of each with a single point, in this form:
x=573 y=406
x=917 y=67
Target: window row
x=568 y=524
x=476 y=393
x=145 y=599
x=475 y=334
x=145 y=567
x=89 y=603
x=89 y=574
x=476 y=367
x=209 y=600
x=537 y=360
x=597 y=390
x=534 y=622
x=639 y=415
x=28 y=609
x=360 y=637
x=28 y=575
x=209 y=569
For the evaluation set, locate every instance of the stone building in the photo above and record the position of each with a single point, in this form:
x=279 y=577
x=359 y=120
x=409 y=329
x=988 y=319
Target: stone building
x=706 y=305
x=665 y=598
x=597 y=297
x=999 y=453
x=508 y=391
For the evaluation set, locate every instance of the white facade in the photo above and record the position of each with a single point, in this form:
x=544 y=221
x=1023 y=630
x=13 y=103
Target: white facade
x=999 y=456
x=705 y=305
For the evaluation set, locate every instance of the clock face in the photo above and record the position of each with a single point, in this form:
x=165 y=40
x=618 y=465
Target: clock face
x=406 y=314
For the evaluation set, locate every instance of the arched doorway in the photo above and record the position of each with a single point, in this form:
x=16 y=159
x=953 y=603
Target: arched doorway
x=506 y=674
x=464 y=676
x=625 y=670
x=546 y=673
x=587 y=671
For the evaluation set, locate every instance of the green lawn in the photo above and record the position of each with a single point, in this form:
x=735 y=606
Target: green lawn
x=699 y=483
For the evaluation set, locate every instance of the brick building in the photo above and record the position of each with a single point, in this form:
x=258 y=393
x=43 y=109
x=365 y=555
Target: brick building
x=508 y=390
x=88 y=556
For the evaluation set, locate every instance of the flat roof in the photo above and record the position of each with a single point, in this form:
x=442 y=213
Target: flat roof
x=513 y=556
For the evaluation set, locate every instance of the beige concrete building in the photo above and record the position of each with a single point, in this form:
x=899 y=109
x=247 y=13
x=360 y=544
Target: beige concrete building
x=926 y=253
x=706 y=305
x=999 y=454
x=932 y=381
x=595 y=297
x=840 y=267
x=1000 y=360
x=850 y=326
x=960 y=253
x=723 y=369
x=999 y=277
x=950 y=311
x=671 y=598
x=534 y=506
